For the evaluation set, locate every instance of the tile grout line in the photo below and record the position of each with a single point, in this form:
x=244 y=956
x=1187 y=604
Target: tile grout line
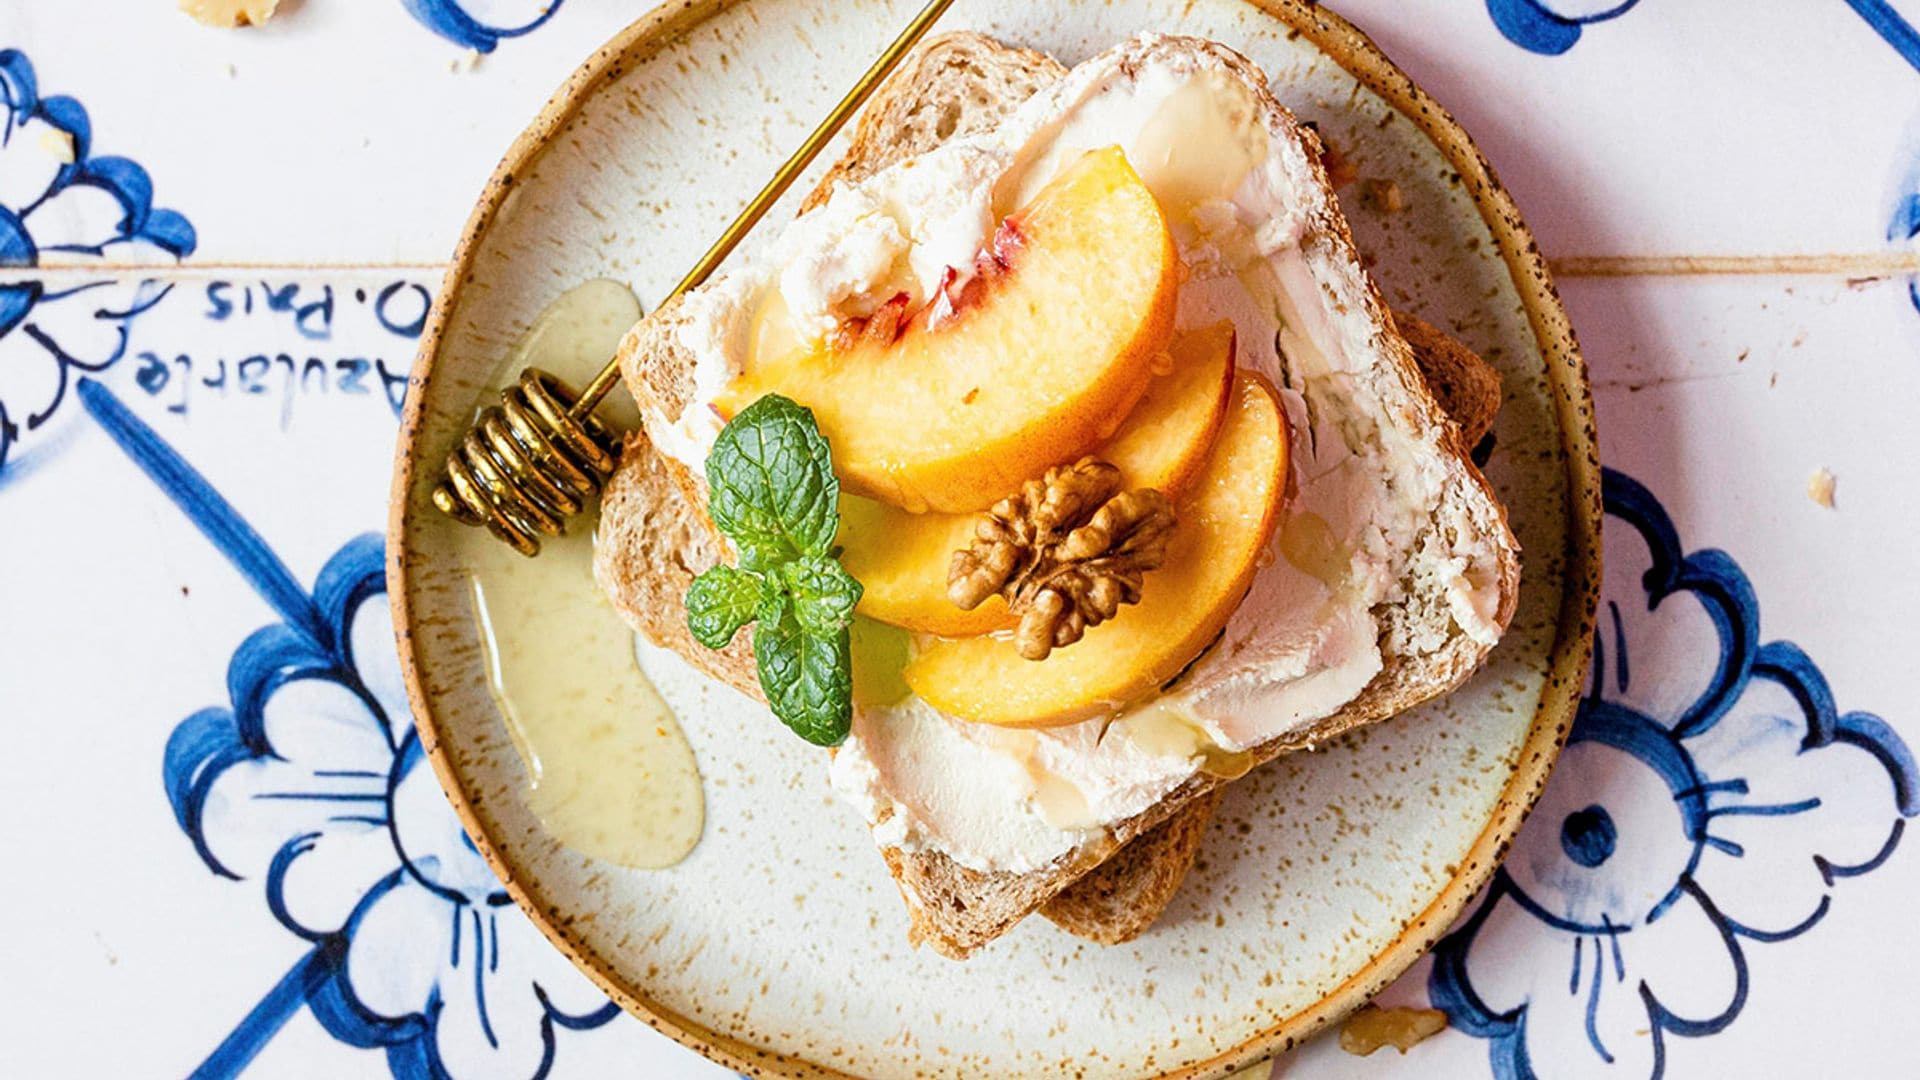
x=1863 y=264
x=203 y=268
x=1873 y=264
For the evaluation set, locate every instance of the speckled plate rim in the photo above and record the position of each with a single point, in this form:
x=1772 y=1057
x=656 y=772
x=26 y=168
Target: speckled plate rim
x=1573 y=408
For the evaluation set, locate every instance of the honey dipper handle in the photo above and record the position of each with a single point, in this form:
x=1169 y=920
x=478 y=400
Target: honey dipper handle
x=789 y=171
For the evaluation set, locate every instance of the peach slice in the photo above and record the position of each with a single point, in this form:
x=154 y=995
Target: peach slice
x=1166 y=439
x=901 y=558
x=1035 y=362
x=1224 y=525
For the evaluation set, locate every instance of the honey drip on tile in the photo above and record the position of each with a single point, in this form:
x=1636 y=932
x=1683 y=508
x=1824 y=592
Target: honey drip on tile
x=612 y=774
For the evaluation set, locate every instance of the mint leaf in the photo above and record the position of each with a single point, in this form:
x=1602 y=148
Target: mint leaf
x=824 y=594
x=720 y=602
x=773 y=607
x=772 y=491
x=808 y=680
x=771 y=486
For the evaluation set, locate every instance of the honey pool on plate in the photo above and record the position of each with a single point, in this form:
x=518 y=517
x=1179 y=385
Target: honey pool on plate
x=611 y=772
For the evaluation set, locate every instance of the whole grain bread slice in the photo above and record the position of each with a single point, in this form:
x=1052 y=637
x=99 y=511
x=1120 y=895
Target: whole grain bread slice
x=965 y=82
x=651 y=509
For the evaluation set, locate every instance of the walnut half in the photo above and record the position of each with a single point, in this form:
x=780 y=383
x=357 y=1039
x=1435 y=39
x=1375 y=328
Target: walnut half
x=1065 y=551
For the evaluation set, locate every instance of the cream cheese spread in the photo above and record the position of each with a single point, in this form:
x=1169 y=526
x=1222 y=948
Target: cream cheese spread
x=1306 y=639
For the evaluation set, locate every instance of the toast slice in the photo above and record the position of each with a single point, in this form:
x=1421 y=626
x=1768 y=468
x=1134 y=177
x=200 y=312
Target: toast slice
x=654 y=538
x=964 y=82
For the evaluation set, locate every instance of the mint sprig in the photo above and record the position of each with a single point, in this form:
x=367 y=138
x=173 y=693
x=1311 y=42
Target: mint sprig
x=772 y=491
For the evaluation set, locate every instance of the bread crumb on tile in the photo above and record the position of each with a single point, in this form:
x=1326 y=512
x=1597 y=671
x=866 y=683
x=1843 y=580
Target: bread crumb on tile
x=58 y=144
x=1820 y=486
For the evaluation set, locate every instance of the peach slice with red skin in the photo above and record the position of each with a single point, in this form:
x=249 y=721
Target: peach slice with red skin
x=1224 y=525
x=1032 y=365
x=901 y=558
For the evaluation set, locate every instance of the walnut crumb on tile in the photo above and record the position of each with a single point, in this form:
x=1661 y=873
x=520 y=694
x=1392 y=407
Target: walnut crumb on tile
x=1340 y=169
x=227 y=14
x=1401 y=1028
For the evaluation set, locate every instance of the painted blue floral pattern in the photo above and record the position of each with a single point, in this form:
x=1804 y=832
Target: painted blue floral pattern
x=1892 y=27
x=1551 y=27
x=1903 y=223
x=60 y=202
x=310 y=780
x=1711 y=798
x=480 y=24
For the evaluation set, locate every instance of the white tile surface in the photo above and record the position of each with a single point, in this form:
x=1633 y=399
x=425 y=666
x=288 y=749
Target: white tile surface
x=338 y=150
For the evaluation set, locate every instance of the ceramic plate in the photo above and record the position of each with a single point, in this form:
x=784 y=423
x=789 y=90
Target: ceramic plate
x=779 y=946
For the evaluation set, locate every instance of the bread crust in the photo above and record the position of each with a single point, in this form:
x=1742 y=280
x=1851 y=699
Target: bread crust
x=954 y=909
x=1466 y=386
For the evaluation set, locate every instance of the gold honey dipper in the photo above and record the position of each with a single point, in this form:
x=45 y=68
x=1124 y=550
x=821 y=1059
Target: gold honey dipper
x=534 y=460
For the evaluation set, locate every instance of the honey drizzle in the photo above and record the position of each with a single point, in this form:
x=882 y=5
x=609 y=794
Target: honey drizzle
x=611 y=774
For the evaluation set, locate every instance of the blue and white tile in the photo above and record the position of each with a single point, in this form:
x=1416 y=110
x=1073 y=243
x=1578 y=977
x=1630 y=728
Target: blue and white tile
x=338 y=132
x=1720 y=806
x=1662 y=129
x=1719 y=856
